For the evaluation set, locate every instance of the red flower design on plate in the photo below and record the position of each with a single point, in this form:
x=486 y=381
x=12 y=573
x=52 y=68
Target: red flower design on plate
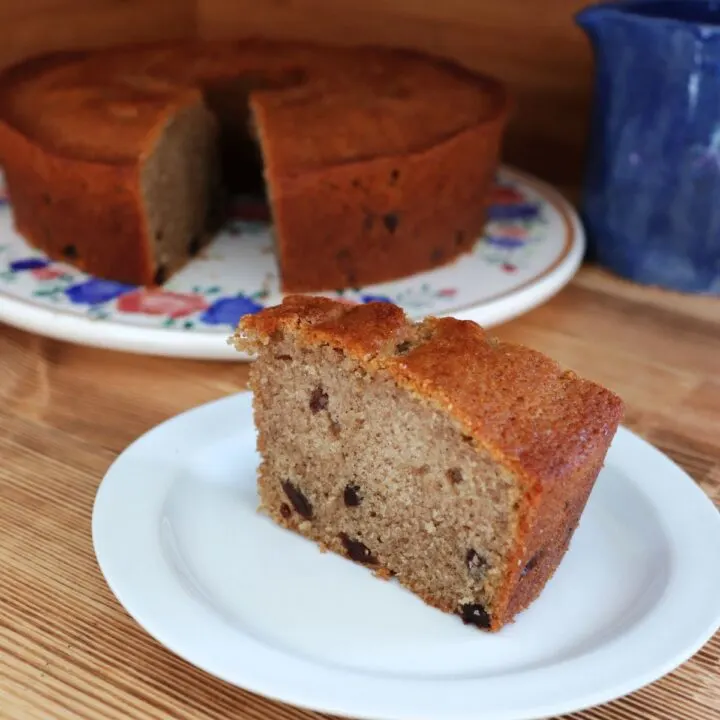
x=516 y=231
x=502 y=195
x=509 y=267
x=159 y=302
x=447 y=292
x=47 y=273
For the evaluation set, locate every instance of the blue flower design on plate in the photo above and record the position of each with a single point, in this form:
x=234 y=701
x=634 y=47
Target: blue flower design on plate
x=513 y=211
x=95 y=291
x=505 y=242
x=375 y=298
x=28 y=264
x=229 y=310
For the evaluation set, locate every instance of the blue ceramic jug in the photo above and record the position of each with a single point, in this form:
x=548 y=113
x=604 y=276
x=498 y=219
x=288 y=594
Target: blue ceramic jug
x=651 y=201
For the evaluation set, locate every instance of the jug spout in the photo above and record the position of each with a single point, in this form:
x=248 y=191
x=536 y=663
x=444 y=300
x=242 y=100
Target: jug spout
x=603 y=18
x=590 y=17
x=595 y=20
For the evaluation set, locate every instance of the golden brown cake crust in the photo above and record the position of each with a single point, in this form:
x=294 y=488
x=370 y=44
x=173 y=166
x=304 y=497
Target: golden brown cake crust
x=543 y=420
x=547 y=425
x=51 y=193
x=378 y=162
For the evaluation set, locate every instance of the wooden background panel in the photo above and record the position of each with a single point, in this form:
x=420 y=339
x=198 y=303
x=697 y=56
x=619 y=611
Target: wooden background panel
x=32 y=27
x=535 y=48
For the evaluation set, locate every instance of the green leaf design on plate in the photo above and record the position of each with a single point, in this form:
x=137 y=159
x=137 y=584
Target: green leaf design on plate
x=48 y=292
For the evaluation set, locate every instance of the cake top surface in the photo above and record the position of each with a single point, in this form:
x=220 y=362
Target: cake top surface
x=67 y=107
x=350 y=103
x=515 y=402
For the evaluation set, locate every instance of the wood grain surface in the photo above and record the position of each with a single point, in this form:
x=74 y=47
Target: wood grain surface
x=68 y=649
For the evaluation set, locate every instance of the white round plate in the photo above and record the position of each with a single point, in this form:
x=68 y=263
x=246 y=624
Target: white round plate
x=180 y=543
x=532 y=246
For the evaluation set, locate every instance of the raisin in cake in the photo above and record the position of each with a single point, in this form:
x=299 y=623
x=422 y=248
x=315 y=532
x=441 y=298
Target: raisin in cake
x=431 y=452
x=116 y=160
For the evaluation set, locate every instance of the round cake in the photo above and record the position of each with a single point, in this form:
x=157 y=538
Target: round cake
x=375 y=163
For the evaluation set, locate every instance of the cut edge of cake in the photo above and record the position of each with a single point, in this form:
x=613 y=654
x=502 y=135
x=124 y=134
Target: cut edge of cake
x=180 y=185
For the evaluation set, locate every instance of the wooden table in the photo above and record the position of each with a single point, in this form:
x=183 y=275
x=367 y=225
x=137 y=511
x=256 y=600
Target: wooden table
x=68 y=649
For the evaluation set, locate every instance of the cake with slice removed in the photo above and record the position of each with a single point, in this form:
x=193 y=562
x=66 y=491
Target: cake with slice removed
x=430 y=451
x=375 y=163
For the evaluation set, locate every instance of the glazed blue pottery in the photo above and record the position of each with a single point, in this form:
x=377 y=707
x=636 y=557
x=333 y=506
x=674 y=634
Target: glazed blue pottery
x=651 y=200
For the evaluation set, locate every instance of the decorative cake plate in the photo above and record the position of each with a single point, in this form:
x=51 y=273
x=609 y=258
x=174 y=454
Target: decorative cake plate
x=532 y=246
x=180 y=543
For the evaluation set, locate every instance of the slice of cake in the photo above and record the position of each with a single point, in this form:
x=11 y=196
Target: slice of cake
x=431 y=452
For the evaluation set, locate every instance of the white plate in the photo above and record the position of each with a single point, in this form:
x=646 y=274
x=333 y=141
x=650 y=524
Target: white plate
x=531 y=248
x=180 y=543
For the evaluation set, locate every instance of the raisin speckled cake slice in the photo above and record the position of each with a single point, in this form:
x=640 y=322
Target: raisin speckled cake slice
x=430 y=452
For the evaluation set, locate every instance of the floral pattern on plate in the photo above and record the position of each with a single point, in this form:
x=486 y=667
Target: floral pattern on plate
x=529 y=231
